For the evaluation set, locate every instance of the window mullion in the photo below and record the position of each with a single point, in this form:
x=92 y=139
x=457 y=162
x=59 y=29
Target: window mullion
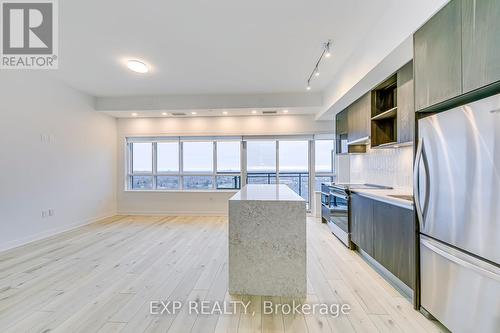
x=243 y=163
x=181 y=165
x=214 y=165
x=312 y=171
x=332 y=157
x=130 y=166
x=277 y=161
x=155 y=167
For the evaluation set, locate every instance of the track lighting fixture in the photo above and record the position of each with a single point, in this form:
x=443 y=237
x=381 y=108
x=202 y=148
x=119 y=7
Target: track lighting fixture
x=326 y=54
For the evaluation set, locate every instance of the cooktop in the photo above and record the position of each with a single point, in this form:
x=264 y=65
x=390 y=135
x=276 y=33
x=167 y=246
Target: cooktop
x=362 y=186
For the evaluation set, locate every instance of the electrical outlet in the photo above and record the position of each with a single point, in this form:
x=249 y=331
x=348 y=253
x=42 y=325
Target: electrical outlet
x=45 y=213
x=51 y=212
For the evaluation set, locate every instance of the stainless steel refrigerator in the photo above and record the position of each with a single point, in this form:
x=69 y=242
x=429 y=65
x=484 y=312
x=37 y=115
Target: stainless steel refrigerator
x=457 y=199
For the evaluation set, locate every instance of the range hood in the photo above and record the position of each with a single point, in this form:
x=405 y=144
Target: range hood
x=361 y=141
x=358 y=146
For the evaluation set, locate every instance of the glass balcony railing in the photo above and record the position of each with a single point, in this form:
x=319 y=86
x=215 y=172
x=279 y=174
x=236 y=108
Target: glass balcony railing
x=297 y=181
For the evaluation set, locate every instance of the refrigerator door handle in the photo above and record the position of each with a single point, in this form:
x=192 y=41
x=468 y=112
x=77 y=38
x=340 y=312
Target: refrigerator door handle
x=435 y=247
x=416 y=187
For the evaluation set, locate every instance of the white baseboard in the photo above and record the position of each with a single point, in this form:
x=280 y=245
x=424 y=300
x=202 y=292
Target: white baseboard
x=51 y=232
x=173 y=213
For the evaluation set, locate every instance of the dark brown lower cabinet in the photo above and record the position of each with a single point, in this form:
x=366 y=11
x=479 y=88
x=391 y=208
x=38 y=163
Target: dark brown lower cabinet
x=394 y=240
x=362 y=222
x=385 y=232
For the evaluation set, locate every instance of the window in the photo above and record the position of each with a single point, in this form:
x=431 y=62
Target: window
x=167 y=159
x=323 y=153
x=294 y=166
x=261 y=156
x=324 y=163
x=168 y=163
x=168 y=182
x=261 y=162
x=228 y=182
x=198 y=182
x=228 y=165
x=198 y=157
x=141 y=177
x=228 y=156
x=142 y=160
x=142 y=182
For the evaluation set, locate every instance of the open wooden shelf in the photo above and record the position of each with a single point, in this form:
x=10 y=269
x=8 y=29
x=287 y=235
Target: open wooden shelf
x=391 y=113
x=384 y=113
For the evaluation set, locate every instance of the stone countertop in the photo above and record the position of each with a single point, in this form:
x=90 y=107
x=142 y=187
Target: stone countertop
x=267 y=242
x=266 y=192
x=384 y=195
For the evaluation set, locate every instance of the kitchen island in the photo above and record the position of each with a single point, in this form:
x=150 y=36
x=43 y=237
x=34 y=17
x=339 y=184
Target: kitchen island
x=267 y=242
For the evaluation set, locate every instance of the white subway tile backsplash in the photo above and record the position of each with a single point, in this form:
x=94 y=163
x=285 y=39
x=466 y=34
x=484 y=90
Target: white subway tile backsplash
x=392 y=167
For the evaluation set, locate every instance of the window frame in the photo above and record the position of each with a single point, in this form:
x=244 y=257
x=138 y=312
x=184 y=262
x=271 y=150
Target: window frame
x=181 y=173
x=214 y=174
x=331 y=174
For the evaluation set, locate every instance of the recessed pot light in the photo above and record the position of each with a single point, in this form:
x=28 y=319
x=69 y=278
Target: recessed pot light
x=137 y=66
x=134 y=114
x=194 y=112
x=254 y=111
x=224 y=112
x=285 y=111
x=164 y=113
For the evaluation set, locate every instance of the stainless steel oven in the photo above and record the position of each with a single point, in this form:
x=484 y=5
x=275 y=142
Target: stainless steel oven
x=339 y=214
x=336 y=208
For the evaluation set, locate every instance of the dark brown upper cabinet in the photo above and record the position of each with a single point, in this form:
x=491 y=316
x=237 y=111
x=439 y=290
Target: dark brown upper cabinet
x=457 y=52
x=393 y=110
x=358 y=120
x=341 y=132
x=480 y=43
x=406 y=105
x=438 y=57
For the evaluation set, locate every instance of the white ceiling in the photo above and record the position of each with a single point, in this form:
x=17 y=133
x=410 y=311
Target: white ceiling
x=206 y=47
x=203 y=47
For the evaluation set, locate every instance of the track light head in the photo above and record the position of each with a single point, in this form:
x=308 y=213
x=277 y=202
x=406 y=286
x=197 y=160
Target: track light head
x=328 y=54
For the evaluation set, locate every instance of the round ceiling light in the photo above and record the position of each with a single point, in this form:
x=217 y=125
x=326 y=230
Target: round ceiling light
x=137 y=66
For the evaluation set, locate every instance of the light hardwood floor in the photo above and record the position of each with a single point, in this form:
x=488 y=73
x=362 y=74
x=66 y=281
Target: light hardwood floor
x=102 y=277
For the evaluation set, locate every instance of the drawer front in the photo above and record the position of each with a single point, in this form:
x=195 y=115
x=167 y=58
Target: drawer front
x=461 y=291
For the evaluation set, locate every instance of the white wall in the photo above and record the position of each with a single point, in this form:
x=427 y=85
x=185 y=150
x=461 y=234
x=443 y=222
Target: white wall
x=73 y=170
x=201 y=203
x=391 y=167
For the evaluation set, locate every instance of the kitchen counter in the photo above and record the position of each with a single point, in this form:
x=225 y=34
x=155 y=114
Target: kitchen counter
x=267 y=242
x=265 y=192
x=384 y=195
